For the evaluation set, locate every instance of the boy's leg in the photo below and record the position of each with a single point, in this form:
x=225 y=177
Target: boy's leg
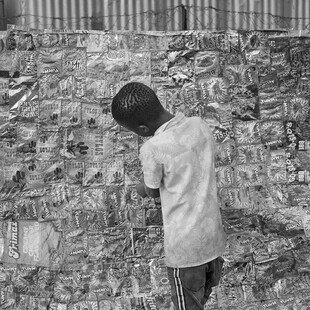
x=213 y=276
x=187 y=287
x=191 y=287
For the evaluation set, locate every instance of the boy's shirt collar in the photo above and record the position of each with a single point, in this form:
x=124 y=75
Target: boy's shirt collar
x=174 y=121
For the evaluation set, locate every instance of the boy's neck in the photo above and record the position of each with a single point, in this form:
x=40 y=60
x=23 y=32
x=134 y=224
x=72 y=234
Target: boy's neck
x=164 y=118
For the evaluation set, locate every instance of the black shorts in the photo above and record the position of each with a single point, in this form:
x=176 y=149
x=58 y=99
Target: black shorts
x=192 y=286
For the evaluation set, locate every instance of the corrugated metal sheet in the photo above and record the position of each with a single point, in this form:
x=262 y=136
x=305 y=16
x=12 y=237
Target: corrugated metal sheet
x=145 y=15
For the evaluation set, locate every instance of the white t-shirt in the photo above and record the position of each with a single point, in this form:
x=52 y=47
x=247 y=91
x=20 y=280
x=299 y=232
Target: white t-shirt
x=179 y=160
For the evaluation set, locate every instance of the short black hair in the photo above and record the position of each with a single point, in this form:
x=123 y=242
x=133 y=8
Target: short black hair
x=136 y=104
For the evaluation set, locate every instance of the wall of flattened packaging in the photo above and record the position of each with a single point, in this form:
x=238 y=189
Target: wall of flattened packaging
x=74 y=234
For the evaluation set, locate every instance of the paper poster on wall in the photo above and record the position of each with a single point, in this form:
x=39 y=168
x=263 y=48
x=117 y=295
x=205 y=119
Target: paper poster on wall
x=30 y=243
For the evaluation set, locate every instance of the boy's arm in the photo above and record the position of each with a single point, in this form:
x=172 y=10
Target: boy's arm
x=152 y=172
x=144 y=191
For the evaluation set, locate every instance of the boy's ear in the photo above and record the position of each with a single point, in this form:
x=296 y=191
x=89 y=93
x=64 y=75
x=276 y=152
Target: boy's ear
x=143 y=130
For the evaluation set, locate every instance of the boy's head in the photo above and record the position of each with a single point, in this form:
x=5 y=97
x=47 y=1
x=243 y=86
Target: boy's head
x=137 y=108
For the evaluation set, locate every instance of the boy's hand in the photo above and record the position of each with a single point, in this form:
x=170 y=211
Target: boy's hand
x=141 y=189
x=145 y=191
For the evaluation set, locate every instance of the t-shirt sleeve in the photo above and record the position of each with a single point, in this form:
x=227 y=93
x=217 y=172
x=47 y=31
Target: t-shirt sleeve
x=207 y=131
x=152 y=169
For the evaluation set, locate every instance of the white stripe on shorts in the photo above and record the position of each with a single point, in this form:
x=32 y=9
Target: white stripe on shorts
x=179 y=289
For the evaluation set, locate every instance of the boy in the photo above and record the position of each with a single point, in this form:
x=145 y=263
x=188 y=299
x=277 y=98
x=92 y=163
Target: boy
x=178 y=165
